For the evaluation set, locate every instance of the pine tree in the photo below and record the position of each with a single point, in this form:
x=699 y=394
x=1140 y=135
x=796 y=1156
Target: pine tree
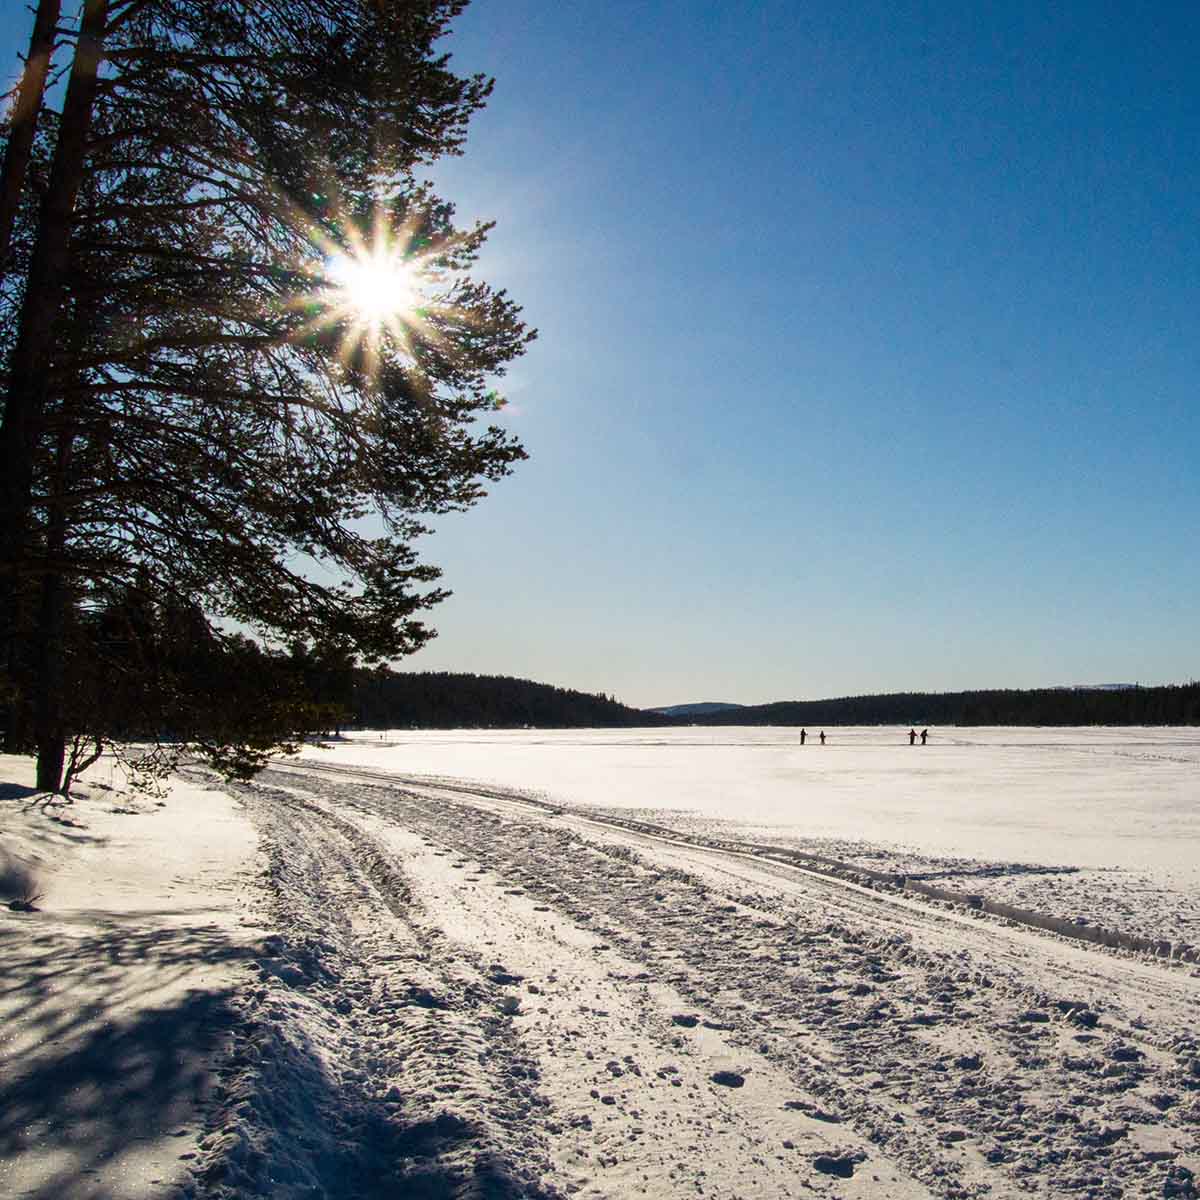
x=192 y=407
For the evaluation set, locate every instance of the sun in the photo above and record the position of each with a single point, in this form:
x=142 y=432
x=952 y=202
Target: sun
x=374 y=288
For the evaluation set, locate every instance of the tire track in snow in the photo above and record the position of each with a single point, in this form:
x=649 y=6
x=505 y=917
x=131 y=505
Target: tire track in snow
x=970 y=1082
x=370 y=1059
x=606 y=1044
x=1086 y=965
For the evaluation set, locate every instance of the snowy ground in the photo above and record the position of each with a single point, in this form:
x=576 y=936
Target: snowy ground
x=114 y=997
x=974 y=809
x=354 y=979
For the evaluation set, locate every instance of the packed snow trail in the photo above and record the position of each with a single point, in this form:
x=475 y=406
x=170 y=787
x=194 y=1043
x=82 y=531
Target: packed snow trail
x=368 y=1061
x=494 y=996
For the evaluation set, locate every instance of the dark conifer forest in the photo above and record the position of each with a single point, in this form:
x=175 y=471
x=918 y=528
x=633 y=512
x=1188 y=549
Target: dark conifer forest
x=438 y=700
x=1171 y=705
x=441 y=700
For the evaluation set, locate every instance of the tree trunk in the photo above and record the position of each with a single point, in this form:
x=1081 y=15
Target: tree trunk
x=52 y=753
x=48 y=684
x=44 y=291
x=24 y=119
x=50 y=677
x=22 y=128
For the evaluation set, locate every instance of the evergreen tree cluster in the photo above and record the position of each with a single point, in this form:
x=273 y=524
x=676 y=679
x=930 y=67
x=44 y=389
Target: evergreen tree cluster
x=387 y=699
x=442 y=700
x=145 y=679
x=1170 y=705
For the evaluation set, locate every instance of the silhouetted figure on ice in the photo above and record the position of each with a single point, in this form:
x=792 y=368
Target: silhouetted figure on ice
x=803 y=736
x=924 y=735
x=822 y=737
x=912 y=737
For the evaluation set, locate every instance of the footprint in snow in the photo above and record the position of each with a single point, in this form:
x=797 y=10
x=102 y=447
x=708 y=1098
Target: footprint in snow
x=841 y=1165
x=729 y=1079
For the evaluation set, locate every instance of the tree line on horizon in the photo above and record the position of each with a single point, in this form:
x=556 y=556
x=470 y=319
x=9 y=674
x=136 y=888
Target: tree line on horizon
x=447 y=700
x=1175 y=704
x=389 y=699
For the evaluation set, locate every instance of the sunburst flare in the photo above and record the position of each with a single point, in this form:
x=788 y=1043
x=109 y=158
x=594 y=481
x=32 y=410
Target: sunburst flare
x=376 y=288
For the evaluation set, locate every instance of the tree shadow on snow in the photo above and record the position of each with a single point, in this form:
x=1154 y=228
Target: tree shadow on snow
x=98 y=1073
x=101 y=1068
x=60 y=981
x=17 y=791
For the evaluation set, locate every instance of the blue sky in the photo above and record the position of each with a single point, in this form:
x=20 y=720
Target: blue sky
x=869 y=347
x=868 y=350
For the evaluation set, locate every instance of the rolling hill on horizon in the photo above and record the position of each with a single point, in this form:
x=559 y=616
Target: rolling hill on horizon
x=703 y=708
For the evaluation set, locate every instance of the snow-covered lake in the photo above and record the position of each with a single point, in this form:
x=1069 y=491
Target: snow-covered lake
x=1090 y=797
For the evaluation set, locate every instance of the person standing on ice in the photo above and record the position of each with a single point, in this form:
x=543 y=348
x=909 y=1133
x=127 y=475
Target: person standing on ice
x=924 y=735
x=822 y=737
x=803 y=736
x=912 y=737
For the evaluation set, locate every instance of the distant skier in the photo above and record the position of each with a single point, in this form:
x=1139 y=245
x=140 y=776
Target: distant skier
x=924 y=736
x=803 y=736
x=822 y=737
x=912 y=737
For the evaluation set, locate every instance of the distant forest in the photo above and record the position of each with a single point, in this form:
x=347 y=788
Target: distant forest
x=1174 y=705
x=440 y=700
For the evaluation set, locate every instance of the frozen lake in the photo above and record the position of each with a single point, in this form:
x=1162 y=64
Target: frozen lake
x=1091 y=797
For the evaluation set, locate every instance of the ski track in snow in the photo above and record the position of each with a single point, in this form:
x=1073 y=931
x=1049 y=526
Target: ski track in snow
x=472 y=993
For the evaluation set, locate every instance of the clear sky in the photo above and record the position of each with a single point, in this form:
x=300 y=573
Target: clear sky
x=869 y=349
